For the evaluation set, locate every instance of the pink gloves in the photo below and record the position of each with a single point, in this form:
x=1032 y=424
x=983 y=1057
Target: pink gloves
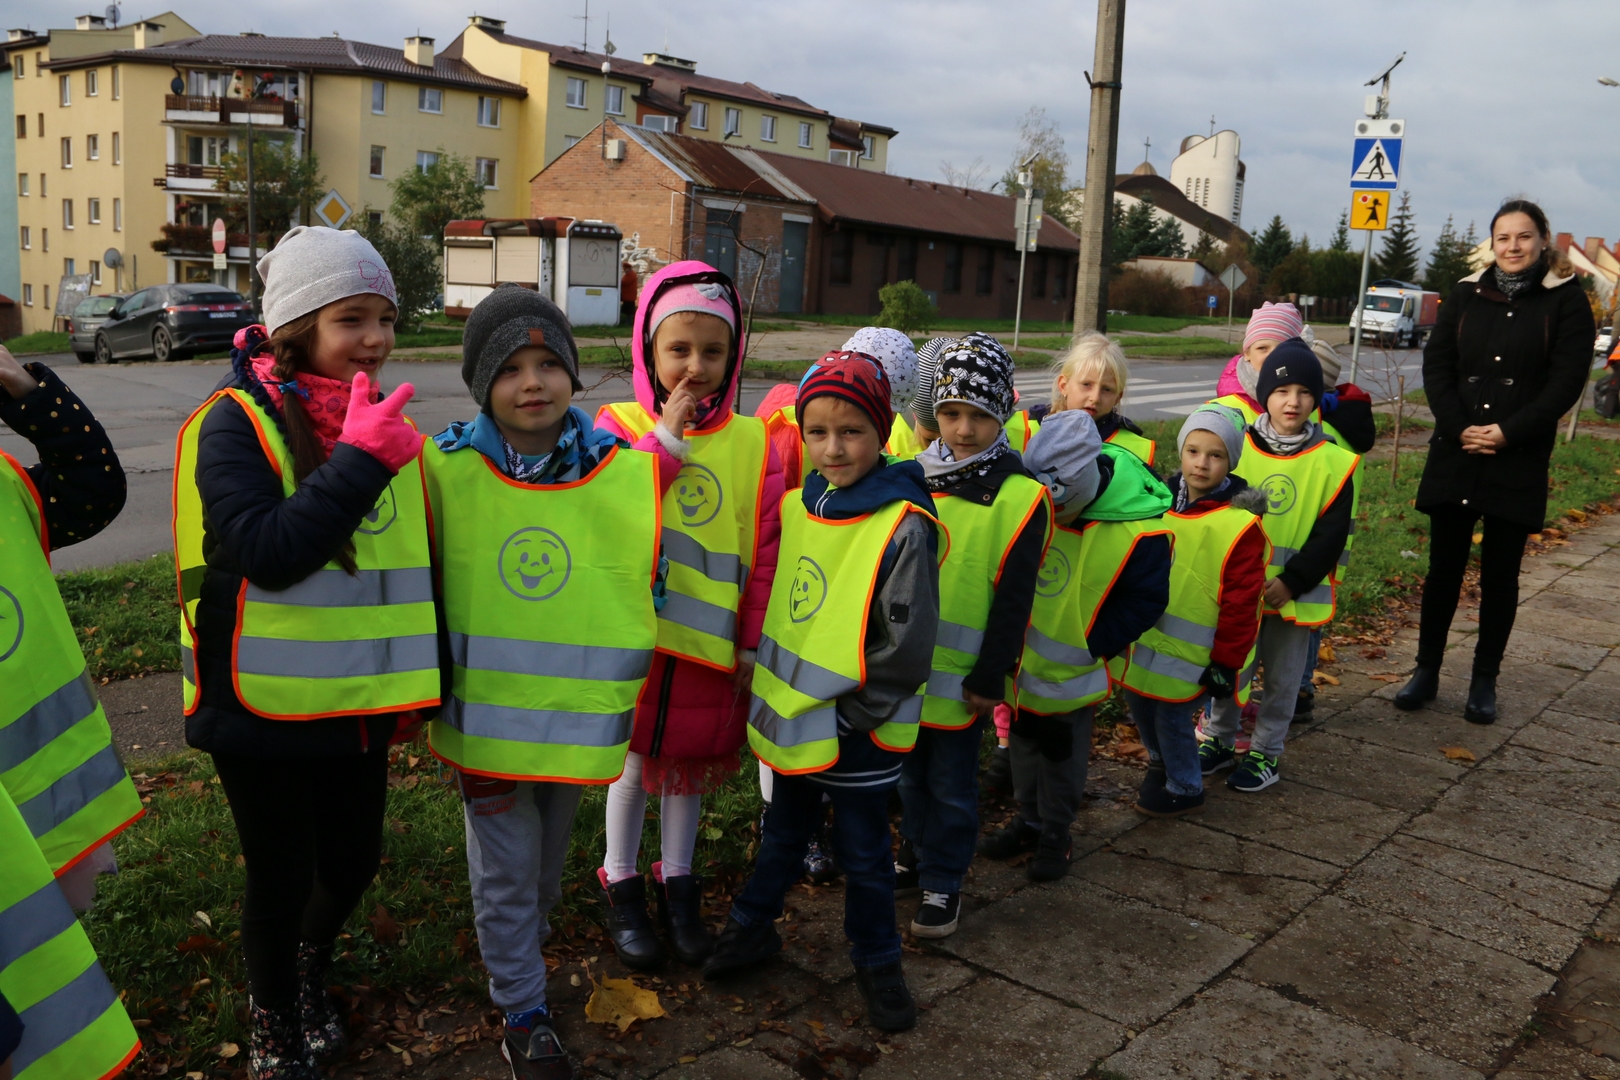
x=379 y=429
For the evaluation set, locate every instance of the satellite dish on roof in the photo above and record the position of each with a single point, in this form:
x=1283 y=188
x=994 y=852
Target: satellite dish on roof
x=112 y=259
x=112 y=16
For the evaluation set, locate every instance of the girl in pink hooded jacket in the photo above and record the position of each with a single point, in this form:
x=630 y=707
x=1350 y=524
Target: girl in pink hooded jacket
x=722 y=483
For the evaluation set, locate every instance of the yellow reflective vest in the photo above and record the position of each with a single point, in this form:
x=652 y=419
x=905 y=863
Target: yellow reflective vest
x=903 y=441
x=74 y=1026
x=547 y=593
x=57 y=760
x=1140 y=445
x=335 y=644
x=1299 y=488
x=710 y=532
x=1020 y=428
x=813 y=646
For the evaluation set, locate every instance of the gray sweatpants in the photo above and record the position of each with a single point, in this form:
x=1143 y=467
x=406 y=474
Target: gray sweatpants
x=1050 y=757
x=1281 y=653
x=517 y=841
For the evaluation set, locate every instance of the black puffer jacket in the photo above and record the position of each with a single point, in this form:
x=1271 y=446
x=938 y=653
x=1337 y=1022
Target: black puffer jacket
x=1520 y=363
x=252 y=531
x=79 y=479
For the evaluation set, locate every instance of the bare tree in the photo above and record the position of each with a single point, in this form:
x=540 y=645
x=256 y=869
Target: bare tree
x=1382 y=371
x=973 y=175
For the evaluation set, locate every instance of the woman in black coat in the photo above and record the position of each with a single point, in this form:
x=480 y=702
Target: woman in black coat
x=1509 y=357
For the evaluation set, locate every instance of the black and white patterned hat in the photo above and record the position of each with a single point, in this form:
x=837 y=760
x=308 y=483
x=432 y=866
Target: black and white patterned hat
x=977 y=371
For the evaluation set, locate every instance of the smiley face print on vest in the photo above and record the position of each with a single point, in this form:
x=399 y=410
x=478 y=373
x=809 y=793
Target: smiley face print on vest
x=11 y=623
x=380 y=516
x=698 y=495
x=808 y=591
x=1054 y=574
x=1281 y=494
x=535 y=564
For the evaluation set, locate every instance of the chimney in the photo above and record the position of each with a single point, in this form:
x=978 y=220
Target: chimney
x=18 y=34
x=665 y=60
x=484 y=22
x=1564 y=241
x=1594 y=244
x=148 y=34
x=419 y=51
x=90 y=22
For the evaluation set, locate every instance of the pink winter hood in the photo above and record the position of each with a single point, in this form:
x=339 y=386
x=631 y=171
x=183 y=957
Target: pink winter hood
x=686 y=272
x=1229 y=384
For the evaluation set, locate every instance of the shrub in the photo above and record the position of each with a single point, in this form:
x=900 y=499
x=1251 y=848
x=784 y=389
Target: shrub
x=1148 y=292
x=906 y=307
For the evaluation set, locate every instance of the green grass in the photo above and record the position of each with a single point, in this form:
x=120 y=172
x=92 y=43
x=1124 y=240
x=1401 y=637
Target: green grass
x=126 y=616
x=41 y=341
x=428 y=335
x=1179 y=347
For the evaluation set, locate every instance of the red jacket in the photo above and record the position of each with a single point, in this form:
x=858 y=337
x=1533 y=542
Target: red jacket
x=1243 y=579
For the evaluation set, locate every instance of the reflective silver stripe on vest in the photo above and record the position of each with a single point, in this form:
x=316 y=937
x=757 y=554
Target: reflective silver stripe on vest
x=700 y=615
x=1281 y=555
x=363 y=588
x=73 y=792
x=817 y=725
x=961 y=638
x=337 y=659
x=188 y=664
x=681 y=548
x=1186 y=630
x=32 y=921
x=1322 y=594
x=52 y=716
x=909 y=711
x=547 y=726
x=598 y=663
x=51 y=1022
x=944 y=684
x=810 y=679
x=1171 y=667
x=1092 y=682
x=1056 y=651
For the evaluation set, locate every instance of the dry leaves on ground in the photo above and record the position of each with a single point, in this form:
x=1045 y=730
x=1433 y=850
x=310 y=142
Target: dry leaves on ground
x=1458 y=753
x=621 y=1002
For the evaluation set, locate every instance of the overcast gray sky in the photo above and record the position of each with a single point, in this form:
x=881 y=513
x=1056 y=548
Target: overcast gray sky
x=1501 y=96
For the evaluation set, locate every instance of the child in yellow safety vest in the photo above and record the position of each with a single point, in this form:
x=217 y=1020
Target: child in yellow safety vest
x=1000 y=521
x=1092 y=376
x=540 y=521
x=849 y=640
x=308 y=626
x=1203 y=645
x=1309 y=484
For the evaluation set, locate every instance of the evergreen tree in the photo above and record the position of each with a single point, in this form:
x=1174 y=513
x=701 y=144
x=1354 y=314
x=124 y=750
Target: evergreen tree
x=1398 y=257
x=1448 y=262
x=1272 y=247
x=1138 y=231
x=1341 y=233
x=1205 y=249
x=1335 y=273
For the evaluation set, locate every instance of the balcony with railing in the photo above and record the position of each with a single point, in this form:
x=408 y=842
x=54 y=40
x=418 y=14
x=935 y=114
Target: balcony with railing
x=207 y=109
x=193 y=178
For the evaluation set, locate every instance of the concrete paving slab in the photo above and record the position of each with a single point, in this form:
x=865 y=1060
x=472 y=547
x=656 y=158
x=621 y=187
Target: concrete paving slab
x=1249 y=905
x=1280 y=1038
x=995 y=1029
x=1552 y=780
x=1569 y=626
x=1450 y=996
x=1186 y=843
x=1579 y=737
x=1556 y=651
x=1527 y=914
x=1593 y=696
x=1380 y=774
x=1563 y=604
x=1423 y=732
x=731 y=1063
x=1084 y=945
x=1547 y=1058
x=1586 y=1005
x=1309 y=821
x=1479 y=818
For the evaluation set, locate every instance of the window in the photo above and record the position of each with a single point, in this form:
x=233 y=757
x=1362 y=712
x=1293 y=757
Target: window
x=841 y=157
x=767 y=128
x=698 y=117
x=68 y=268
x=118 y=150
x=570 y=140
x=67 y=213
x=615 y=100
x=92 y=207
x=733 y=121
x=95 y=272
x=92 y=83
x=841 y=258
x=985 y=280
x=22 y=183
x=92 y=147
x=489 y=112
x=1040 y=276
x=905 y=264
x=28 y=295
x=117 y=83
x=425 y=160
x=39 y=127
x=67 y=153
x=659 y=123
x=576 y=93
x=27 y=238
x=805 y=134
x=867 y=143
x=118 y=215
x=17 y=67
x=379 y=96
x=42 y=177
x=377 y=160
x=429 y=99
x=953 y=269
x=209 y=83
x=39 y=64
x=1060 y=280
x=22 y=125
x=374 y=216
x=486 y=171
x=64 y=86
x=47 y=289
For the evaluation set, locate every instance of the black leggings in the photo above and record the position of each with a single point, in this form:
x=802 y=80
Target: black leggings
x=1451 y=531
x=311 y=831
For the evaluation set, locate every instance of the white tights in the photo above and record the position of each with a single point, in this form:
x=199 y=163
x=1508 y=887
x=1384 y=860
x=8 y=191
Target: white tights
x=627 y=811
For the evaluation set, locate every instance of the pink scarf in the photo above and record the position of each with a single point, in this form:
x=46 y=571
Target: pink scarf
x=326 y=401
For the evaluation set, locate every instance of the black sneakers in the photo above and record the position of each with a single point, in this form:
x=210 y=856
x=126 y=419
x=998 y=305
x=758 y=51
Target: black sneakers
x=1304 y=707
x=937 y=915
x=1214 y=755
x=534 y=1052
x=889 y=1004
x=1255 y=772
x=905 y=869
x=741 y=947
x=1014 y=838
x=1162 y=802
x=1053 y=853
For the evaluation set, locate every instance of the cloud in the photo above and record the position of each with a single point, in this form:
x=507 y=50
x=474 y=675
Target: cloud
x=1501 y=96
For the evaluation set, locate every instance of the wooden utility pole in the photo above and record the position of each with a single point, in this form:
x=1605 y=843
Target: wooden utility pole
x=1102 y=147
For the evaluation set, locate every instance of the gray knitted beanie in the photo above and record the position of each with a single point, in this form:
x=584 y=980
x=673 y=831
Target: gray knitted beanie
x=508 y=319
x=1222 y=421
x=312 y=266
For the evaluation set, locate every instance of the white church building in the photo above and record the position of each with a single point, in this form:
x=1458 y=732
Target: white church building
x=1204 y=192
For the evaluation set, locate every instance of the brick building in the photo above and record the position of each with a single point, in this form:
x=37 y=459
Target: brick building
x=801 y=235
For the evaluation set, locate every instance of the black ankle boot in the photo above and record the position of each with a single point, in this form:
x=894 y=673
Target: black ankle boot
x=628 y=924
x=1481 y=707
x=998 y=779
x=276 y=1049
x=324 y=1034
x=740 y=948
x=1420 y=689
x=680 y=913
x=889 y=1004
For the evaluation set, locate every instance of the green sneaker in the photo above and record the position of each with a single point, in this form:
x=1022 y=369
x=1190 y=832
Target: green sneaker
x=1214 y=755
x=1255 y=772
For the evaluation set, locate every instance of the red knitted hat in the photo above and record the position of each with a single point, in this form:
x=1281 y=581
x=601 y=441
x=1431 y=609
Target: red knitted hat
x=853 y=377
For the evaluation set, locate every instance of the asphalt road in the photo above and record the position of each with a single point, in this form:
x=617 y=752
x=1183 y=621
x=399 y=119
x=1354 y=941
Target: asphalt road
x=143 y=404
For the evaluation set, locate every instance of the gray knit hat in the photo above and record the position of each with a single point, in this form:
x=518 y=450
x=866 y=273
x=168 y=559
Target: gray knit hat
x=1224 y=422
x=508 y=319
x=312 y=266
x=1063 y=456
x=922 y=398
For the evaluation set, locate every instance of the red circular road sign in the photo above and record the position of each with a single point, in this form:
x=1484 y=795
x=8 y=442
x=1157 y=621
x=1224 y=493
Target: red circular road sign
x=219 y=236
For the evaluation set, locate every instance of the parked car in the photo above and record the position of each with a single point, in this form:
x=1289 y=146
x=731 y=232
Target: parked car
x=1604 y=343
x=170 y=322
x=84 y=321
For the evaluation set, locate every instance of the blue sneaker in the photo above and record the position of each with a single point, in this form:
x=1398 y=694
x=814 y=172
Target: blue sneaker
x=1255 y=772
x=1214 y=755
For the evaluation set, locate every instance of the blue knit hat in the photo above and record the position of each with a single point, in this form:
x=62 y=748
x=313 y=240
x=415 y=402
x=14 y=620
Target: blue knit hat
x=1291 y=362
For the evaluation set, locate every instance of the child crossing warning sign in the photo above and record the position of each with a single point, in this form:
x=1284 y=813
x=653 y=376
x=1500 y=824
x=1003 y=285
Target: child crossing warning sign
x=1370 y=210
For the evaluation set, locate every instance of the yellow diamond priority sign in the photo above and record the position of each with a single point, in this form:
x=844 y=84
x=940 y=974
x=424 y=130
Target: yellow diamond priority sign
x=333 y=209
x=1370 y=210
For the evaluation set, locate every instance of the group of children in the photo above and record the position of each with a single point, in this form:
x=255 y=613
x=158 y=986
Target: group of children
x=890 y=559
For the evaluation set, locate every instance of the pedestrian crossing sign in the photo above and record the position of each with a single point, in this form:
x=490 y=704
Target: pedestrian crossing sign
x=1370 y=210
x=1376 y=164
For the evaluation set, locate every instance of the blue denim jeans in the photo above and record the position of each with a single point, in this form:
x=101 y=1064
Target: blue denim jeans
x=860 y=838
x=1306 y=686
x=1166 y=728
x=939 y=790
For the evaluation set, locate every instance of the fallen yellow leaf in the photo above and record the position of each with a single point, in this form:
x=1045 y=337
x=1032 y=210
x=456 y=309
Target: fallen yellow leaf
x=1458 y=753
x=1323 y=677
x=1479 y=536
x=1575 y=515
x=621 y=1002
x=1325 y=654
x=227 y=1050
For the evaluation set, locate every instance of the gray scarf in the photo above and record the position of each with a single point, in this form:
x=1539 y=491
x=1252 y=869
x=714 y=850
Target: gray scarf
x=1286 y=444
x=941 y=469
x=1248 y=378
x=1512 y=285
